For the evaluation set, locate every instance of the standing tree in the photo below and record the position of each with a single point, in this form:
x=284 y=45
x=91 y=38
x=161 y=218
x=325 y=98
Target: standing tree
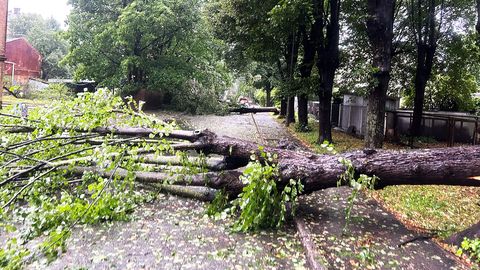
x=160 y=46
x=380 y=34
x=327 y=28
x=425 y=27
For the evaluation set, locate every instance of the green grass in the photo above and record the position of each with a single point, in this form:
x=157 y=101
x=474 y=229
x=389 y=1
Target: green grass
x=343 y=142
x=440 y=209
x=13 y=100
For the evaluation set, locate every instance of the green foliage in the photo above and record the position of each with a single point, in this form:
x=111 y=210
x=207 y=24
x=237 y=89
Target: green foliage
x=472 y=247
x=196 y=99
x=54 y=92
x=12 y=255
x=455 y=77
x=260 y=97
x=476 y=101
x=162 y=46
x=303 y=128
x=357 y=184
x=50 y=201
x=261 y=203
x=219 y=204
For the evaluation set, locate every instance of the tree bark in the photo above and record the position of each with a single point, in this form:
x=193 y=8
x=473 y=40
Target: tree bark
x=283 y=107
x=268 y=95
x=302 y=111
x=472 y=232
x=290 y=111
x=291 y=55
x=325 y=115
x=443 y=166
x=326 y=43
x=426 y=38
x=477 y=26
x=255 y=110
x=380 y=35
x=308 y=41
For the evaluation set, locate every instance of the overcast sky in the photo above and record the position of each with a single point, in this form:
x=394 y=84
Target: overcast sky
x=47 y=8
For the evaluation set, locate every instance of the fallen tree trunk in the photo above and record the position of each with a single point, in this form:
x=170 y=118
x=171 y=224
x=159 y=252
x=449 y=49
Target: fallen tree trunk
x=443 y=166
x=227 y=180
x=213 y=164
x=244 y=110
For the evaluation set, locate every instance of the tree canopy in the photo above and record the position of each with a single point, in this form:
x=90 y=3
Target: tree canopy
x=163 y=46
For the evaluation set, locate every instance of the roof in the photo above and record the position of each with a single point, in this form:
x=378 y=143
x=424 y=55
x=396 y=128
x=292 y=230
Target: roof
x=26 y=41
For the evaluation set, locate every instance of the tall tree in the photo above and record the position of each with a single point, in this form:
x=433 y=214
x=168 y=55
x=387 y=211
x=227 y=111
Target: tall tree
x=380 y=34
x=327 y=31
x=425 y=28
x=262 y=31
x=162 y=46
x=291 y=57
x=308 y=61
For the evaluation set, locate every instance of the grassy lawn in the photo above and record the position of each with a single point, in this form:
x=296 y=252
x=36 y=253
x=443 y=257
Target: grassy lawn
x=13 y=100
x=438 y=209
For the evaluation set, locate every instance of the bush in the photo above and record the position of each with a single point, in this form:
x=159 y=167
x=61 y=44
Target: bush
x=476 y=102
x=261 y=97
x=196 y=99
x=54 y=91
x=472 y=247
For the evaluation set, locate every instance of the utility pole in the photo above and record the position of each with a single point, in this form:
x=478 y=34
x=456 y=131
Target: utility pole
x=3 y=41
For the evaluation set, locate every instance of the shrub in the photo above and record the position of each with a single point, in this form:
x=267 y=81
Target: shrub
x=54 y=91
x=196 y=99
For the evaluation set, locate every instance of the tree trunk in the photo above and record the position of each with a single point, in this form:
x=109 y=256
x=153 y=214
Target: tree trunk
x=283 y=107
x=268 y=96
x=255 y=110
x=327 y=63
x=324 y=117
x=472 y=232
x=427 y=37
x=291 y=56
x=380 y=35
x=444 y=166
x=441 y=166
x=375 y=132
x=420 y=84
x=303 y=112
x=290 y=111
x=477 y=26
x=309 y=52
